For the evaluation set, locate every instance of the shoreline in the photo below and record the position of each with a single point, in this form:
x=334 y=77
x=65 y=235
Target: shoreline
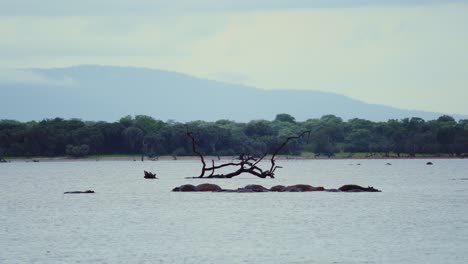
x=208 y=158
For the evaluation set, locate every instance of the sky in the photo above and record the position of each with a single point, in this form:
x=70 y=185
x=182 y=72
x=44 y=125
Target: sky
x=401 y=53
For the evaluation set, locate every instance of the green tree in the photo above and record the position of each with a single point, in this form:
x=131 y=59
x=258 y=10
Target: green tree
x=285 y=118
x=259 y=128
x=133 y=138
x=148 y=124
x=77 y=151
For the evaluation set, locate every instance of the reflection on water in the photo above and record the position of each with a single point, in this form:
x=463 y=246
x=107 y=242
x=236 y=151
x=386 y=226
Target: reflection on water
x=420 y=217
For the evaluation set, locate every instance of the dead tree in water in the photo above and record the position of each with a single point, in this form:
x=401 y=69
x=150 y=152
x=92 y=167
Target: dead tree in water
x=247 y=163
x=150 y=175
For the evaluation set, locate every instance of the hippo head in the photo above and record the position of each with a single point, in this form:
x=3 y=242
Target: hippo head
x=371 y=189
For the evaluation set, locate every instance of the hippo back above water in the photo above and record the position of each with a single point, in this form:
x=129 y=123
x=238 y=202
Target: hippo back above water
x=207 y=187
x=357 y=188
x=303 y=188
x=77 y=192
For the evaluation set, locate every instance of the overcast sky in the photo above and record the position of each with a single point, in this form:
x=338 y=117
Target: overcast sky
x=408 y=54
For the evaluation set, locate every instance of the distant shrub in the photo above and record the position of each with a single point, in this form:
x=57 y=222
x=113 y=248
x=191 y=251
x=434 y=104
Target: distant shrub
x=179 y=152
x=77 y=151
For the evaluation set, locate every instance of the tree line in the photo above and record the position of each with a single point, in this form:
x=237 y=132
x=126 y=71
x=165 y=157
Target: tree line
x=144 y=135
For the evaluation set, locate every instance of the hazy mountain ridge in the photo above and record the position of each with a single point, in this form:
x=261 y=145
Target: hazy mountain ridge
x=107 y=93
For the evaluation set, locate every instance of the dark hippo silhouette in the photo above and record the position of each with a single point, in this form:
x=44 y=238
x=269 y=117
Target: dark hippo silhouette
x=278 y=188
x=204 y=187
x=357 y=188
x=87 y=191
x=185 y=188
x=253 y=188
x=429 y=163
x=303 y=188
x=207 y=187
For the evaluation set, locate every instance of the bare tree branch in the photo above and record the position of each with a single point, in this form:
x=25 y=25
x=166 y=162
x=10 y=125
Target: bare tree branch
x=247 y=164
x=194 y=149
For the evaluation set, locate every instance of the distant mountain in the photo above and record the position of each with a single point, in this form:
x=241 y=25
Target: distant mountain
x=108 y=93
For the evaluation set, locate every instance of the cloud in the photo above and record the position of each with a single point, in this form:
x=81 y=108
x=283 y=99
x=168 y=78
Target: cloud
x=411 y=58
x=382 y=52
x=164 y=7
x=36 y=37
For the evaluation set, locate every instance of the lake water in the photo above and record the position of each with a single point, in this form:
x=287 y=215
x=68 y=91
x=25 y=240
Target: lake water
x=420 y=217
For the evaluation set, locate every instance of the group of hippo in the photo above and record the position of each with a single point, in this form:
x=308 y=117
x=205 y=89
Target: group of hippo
x=209 y=187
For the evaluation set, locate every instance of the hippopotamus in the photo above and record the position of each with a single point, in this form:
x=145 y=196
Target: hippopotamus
x=277 y=188
x=204 y=187
x=87 y=191
x=185 y=188
x=253 y=188
x=207 y=187
x=303 y=188
x=357 y=188
x=332 y=190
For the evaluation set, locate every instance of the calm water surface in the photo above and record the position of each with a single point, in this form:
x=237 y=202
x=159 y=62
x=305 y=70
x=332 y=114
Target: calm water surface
x=420 y=217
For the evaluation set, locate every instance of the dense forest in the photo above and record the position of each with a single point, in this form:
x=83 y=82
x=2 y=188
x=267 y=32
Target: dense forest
x=329 y=136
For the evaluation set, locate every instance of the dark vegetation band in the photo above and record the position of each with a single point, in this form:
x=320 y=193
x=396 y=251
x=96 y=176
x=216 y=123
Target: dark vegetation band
x=144 y=135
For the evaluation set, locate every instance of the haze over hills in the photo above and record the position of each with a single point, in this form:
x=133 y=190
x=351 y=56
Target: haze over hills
x=108 y=93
